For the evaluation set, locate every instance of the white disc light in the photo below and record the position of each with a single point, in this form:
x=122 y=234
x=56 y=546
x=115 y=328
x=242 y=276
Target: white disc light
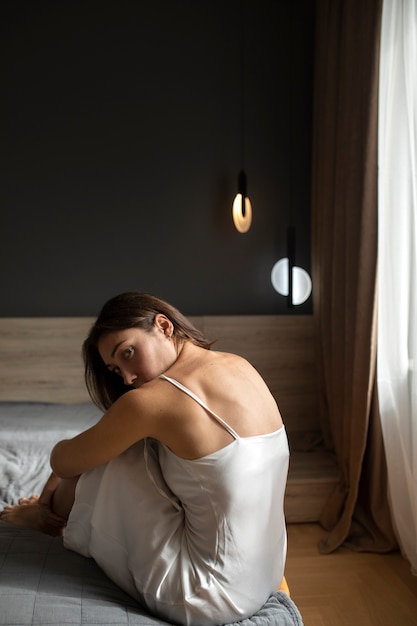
x=301 y=281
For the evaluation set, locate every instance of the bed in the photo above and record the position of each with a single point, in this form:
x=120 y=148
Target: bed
x=42 y=400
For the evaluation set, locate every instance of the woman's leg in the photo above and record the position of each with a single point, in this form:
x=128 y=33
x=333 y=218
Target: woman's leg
x=48 y=512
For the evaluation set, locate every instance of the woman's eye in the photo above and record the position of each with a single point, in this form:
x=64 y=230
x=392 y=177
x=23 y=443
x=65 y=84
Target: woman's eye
x=127 y=353
x=116 y=370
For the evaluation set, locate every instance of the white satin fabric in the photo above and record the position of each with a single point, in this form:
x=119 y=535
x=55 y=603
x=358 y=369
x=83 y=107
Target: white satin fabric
x=199 y=542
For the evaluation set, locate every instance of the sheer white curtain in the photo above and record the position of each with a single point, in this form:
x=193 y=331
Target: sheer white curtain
x=397 y=259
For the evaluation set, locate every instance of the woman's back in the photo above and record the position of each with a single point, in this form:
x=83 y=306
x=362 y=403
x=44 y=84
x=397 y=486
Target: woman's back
x=230 y=386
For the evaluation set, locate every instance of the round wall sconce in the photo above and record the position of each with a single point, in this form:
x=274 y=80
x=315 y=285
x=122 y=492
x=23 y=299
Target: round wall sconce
x=288 y=279
x=301 y=281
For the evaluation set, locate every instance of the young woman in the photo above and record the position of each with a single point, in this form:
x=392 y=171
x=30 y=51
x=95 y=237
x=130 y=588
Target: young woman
x=177 y=492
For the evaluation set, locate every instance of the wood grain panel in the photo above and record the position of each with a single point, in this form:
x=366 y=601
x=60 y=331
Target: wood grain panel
x=311 y=479
x=40 y=359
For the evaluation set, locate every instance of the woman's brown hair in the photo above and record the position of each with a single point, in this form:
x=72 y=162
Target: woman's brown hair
x=128 y=310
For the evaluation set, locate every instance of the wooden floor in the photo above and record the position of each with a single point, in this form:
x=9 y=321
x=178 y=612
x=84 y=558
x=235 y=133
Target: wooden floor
x=348 y=588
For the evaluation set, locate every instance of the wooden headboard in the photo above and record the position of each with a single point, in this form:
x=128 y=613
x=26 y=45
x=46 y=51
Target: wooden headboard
x=40 y=359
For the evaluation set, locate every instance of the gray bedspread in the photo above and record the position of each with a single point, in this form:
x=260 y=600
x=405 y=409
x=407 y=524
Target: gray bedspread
x=28 y=432
x=41 y=582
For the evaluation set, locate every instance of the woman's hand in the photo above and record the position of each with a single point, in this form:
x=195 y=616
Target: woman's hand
x=45 y=502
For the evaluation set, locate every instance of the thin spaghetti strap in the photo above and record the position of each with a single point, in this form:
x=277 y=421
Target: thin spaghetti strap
x=192 y=395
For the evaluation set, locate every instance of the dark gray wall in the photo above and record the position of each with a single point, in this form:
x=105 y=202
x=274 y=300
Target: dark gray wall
x=121 y=149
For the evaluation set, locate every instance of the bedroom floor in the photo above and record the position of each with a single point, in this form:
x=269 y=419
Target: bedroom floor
x=346 y=587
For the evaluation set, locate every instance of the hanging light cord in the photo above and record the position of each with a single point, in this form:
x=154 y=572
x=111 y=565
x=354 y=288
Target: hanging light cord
x=242 y=175
x=291 y=242
x=242 y=84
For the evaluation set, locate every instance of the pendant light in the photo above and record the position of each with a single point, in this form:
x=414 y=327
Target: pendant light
x=287 y=278
x=242 y=208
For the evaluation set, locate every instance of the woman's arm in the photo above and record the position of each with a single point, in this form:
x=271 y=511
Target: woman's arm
x=132 y=417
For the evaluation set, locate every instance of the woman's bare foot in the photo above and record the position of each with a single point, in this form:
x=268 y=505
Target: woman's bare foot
x=30 y=500
x=30 y=514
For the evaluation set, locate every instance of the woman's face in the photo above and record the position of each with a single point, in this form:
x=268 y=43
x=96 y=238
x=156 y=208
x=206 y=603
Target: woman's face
x=137 y=355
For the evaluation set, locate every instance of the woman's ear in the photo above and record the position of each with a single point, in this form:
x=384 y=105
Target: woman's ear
x=163 y=324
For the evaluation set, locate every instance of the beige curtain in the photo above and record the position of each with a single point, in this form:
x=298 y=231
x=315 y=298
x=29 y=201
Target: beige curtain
x=344 y=244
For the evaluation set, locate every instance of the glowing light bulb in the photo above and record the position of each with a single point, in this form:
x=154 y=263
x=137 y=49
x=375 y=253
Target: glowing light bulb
x=242 y=215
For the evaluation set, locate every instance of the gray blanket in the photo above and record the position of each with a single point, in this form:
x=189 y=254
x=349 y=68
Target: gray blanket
x=41 y=582
x=28 y=431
